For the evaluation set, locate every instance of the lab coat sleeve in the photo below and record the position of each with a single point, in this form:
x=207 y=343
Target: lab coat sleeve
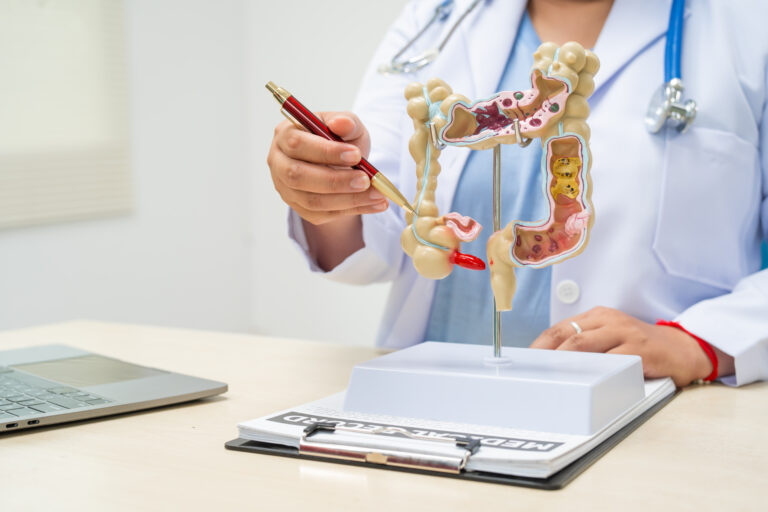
x=380 y=104
x=737 y=322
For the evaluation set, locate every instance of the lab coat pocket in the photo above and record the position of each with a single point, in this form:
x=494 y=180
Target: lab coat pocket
x=709 y=206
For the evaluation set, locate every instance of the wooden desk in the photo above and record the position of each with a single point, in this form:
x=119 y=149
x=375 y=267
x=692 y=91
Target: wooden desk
x=705 y=451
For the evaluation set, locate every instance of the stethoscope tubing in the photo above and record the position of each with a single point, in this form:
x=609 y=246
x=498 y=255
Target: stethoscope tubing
x=672 y=50
x=674 y=45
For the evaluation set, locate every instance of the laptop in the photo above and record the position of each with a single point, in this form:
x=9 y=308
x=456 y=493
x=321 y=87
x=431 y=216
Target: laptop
x=52 y=384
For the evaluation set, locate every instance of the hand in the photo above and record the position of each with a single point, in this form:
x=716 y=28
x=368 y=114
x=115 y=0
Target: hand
x=313 y=175
x=666 y=351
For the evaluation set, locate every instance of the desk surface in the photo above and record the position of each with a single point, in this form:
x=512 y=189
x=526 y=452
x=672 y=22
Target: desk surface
x=703 y=451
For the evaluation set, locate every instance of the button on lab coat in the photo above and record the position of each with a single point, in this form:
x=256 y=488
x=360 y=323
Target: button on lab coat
x=679 y=218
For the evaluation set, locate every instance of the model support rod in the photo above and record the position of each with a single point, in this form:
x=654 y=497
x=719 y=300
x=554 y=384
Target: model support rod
x=496 y=227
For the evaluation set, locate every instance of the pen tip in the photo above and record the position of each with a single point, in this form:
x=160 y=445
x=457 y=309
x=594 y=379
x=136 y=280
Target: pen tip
x=278 y=92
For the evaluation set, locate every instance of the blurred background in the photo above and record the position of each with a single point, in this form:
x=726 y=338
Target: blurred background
x=133 y=178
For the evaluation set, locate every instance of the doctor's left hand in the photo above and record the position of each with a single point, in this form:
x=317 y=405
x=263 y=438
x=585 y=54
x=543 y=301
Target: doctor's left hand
x=666 y=351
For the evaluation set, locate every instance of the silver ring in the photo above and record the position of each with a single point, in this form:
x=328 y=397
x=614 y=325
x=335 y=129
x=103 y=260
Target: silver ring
x=577 y=327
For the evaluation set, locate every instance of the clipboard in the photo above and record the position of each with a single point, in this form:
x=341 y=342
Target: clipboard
x=376 y=460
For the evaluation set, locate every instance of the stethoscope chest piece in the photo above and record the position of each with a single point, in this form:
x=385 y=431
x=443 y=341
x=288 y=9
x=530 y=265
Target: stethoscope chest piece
x=666 y=104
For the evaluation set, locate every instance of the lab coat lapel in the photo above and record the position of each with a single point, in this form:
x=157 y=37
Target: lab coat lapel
x=631 y=28
x=489 y=39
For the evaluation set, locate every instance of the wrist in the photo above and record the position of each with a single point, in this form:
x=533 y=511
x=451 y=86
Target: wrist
x=331 y=243
x=704 y=362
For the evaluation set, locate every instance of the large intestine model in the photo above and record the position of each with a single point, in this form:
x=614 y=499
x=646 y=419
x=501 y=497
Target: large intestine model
x=554 y=110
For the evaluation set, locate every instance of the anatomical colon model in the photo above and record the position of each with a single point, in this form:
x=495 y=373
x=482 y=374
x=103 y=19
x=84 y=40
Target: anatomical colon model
x=554 y=110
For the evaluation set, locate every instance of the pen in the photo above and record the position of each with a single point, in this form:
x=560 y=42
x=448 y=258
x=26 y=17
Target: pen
x=298 y=113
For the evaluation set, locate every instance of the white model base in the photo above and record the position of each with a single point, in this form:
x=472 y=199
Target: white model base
x=543 y=390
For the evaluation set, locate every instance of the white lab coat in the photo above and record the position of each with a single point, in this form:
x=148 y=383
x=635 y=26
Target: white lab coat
x=679 y=217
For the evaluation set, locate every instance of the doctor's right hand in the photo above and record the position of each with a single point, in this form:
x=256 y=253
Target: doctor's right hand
x=314 y=175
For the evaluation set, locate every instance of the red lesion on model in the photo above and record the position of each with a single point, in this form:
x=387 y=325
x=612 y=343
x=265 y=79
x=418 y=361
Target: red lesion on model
x=489 y=117
x=466 y=261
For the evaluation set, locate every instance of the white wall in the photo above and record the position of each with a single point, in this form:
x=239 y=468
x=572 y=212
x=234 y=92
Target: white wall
x=205 y=246
x=320 y=56
x=181 y=258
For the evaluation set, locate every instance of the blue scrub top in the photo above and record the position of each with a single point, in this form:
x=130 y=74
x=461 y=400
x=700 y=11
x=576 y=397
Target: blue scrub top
x=462 y=308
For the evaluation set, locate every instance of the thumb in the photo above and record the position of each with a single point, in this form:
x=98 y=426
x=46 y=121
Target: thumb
x=349 y=127
x=344 y=124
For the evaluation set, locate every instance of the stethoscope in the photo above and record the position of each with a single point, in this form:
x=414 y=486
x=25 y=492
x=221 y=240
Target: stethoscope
x=666 y=103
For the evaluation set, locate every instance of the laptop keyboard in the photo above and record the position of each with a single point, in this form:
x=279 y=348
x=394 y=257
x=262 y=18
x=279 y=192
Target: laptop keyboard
x=21 y=398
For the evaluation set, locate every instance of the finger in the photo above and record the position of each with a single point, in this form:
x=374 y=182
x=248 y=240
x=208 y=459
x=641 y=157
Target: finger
x=302 y=145
x=309 y=177
x=344 y=124
x=334 y=202
x=554 y=336
x=318 y=218
x=349 y=127
x=595 y=340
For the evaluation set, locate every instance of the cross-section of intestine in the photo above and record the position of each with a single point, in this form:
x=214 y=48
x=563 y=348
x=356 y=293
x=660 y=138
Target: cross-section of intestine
x=545 y=242
x=486 y=123
x=566 y=161
x=466 y=229
x=555 y=110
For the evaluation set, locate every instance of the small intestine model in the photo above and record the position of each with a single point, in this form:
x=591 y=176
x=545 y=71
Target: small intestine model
x=554 y=110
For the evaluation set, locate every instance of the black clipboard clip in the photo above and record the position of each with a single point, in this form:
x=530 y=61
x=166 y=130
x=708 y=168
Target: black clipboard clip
x=387 y=456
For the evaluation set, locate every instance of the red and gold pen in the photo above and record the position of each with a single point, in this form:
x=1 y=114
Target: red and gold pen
x=295 y=111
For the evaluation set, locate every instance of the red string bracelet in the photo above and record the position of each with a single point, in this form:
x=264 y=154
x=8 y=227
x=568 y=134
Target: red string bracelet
x=706 y=347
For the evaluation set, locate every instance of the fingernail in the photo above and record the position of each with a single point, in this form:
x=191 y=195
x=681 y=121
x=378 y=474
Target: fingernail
x=381 y=206
x=375 y=194
x=350 y=157
x=359 y=182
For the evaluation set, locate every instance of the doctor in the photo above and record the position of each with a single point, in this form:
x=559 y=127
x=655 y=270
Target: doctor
x=679 y=217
